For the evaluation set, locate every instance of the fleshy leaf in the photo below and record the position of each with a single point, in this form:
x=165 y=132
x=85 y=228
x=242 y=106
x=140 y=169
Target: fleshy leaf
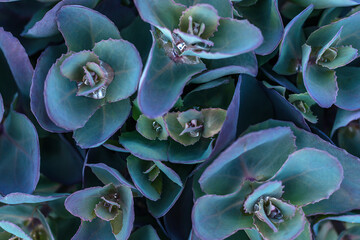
x=260 y=153
x=213 y=121
x=21 y=198
x=288 y=229
x=82 y=27
x=303 y=103
x=2 y=109
x=233 y=37
x=217 y=217
x=96 y=229
x=320 y=82
x=349 y=86
x=125 y=60
x=271 y=189
x=344 y=56
x=204 y=15
x=343 y=118
x=355 y=218
x=147 y=232
x=47 y=27
x=109 y=175
x=72 y=67
x=199 y=152
x=309 y=175
x=14 y=229
x=18 y=61
x=332 y=42
x=64 y=108
x=103 y=124
x=163 y=81
x=290 y=47
x=82 y=203
x=45 y=61
x=266 y=16
x=19 y=153
x=342 y=199
x=151 y=128
x=319 y=4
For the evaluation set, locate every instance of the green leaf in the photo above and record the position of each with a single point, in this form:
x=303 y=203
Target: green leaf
x=96 y=229
x=201 y=14
x=349 y=86
x=14 y=229
x=320 y=4
x=320 y=82
x=152 y=128
x=145 y=233
x=213 y=121
x=103 y=124
x=303 y=103
x=82 y=27
x=72 y=67
x=309 y=175
x=259 y=154
x=289 y=229
x=162 y=81
x=125 y=60
x=64 y=108
x=345 y=55
x=218 y=217
x=290 y=47
x=271 y=189
x=233 y=37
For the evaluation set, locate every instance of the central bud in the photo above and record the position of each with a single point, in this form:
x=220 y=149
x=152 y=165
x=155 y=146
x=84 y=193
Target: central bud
x=194 y=128
x=272 y=212
x=195 y=28
x=96 y=79
x=329 y=55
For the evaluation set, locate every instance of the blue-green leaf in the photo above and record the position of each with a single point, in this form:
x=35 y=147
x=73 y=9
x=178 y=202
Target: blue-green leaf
x=348 y=79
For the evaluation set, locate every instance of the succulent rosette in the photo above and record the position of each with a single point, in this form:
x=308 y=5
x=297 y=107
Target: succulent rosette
x=183 y=36
x=323 y=60
x=86 y=90
x=239 y=193
x=109 y=209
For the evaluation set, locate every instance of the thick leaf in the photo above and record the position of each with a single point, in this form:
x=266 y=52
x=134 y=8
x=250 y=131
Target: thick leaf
x=164 y=14
x=319 y=4
x=64 y=108
x=144 y=148
x=14 y=229
x=355 y=218
x=152 y=128
x=269 y=189
x=233 y=37
x=94 y=230
x=344 y=56
x=320 y=82
x=217 y=68
x=18 y=61
x=103 y=124
x=288 y=229
x=310 y=175
x=349 y=86
x=162 y=82
x=266 y=16
x=343 y=199
x=125 y=60
x=109 y=175
x=224 y=8
x=72 y=67
x=21 y=198
x=170 y=193
x=145 y=233
x=213 y=121
x=47 y=27
x=343 y=118
x=258 y=156
x=20 y=155
x=45 y=61
x=82 y=27
x=217 y=217
x=290 y=47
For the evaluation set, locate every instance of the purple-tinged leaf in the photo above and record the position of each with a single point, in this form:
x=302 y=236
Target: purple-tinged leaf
x=44 y=63
x=320 y=82
x=103 y=124
x=290 y=47
x=18 y=61
x=14 y=229
x=47 y=27
x=348 y=79
x=109 y=175
x=20 y=155
x=94 y=230
x=177 y=153
x=218 y=217
x=147 y=232
x=258 y=155
x=82 y=27
x=64 y=108
x=343 y=118
x=351 y=218
x=21 y=198
x=309 y=175
x=2 y=109
x=162 y=81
